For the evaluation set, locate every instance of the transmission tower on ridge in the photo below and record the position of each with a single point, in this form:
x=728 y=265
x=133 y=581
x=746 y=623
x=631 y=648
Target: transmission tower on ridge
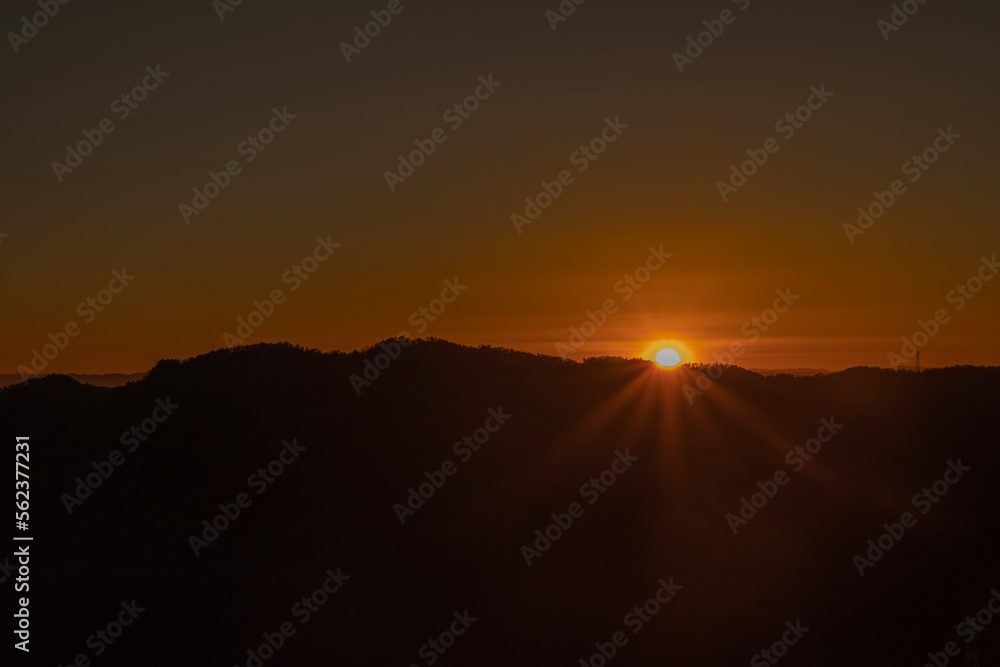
x=918 y=361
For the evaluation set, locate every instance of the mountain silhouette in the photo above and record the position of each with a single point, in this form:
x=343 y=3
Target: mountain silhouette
x=506 y=440
x=99 y=380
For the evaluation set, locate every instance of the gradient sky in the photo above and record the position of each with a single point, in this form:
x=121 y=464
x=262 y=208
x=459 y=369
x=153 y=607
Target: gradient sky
x=655 y=185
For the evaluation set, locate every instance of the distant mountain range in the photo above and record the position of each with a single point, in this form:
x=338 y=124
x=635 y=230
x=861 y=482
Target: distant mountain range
x=789 y=371
x=104 y=380
x=118 y=379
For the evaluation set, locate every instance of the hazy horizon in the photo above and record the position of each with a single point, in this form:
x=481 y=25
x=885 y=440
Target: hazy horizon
x=373 y=348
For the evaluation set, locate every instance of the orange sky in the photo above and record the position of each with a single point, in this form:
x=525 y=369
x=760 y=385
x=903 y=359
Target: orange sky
x=655 y=185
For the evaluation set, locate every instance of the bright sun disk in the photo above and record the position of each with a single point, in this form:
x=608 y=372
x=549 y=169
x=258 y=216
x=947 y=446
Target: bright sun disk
x=668 y=357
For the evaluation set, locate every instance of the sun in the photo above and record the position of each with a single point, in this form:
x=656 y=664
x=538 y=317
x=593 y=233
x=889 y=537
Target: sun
x=669 y=352
x=668 y=357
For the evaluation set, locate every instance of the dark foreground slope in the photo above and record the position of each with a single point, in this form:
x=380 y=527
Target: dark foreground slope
x=663 y=518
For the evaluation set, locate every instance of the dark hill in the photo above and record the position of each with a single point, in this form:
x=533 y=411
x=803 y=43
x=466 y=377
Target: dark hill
x=664 y=517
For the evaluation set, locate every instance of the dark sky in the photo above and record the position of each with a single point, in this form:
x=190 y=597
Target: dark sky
x=656 y=184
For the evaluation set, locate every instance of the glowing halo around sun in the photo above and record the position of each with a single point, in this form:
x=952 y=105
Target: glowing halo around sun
x=669 y=353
